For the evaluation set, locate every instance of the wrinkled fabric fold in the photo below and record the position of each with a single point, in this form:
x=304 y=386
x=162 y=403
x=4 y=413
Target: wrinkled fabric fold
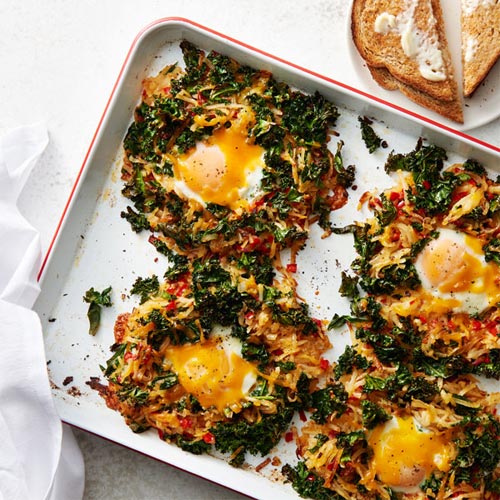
x=38 y=458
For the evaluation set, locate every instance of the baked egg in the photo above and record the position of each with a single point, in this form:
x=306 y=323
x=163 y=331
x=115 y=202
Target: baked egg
x=213 y=371
x=225 y=169
x=454 y=273
x=404 y=453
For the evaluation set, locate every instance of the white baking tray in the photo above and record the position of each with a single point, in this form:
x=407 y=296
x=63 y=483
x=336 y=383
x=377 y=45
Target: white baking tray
x=94 y=247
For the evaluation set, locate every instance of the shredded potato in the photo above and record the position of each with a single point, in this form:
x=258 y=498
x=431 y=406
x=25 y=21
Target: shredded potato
x=222 y=352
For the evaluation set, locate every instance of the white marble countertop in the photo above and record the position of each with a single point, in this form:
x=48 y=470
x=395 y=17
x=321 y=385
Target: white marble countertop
x=59 y=62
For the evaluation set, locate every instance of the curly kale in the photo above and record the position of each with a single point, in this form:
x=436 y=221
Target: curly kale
x=255 y=438
x=349 y=360
x=369 y=136
x=178 y=332
x=308 y=484
x=137 y=221
x=433 y=189
x=392 y=277
x=145 y=287
x=373 y=414
x=307 y=117
x=492 y=251
x=345 y=175
x=479 y=450
x=328 y=401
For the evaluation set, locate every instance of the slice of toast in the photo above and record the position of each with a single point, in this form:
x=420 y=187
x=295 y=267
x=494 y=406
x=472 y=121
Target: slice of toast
x=449 y=109
x=406 y=38
x=480 y=21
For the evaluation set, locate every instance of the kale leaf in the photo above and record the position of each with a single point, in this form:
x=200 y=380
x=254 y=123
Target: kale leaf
x=96 y=300
x=308 y=484
x=492 y=251
x=369 y=136
x=327 y=401
x=145 y=287
x=257 y=437
x=137 y=221
x=373 y=414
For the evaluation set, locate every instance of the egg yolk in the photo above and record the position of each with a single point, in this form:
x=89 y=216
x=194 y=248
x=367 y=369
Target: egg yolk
x=213 y=375
x=451 y=267
x=217 y=170
x=403 y=455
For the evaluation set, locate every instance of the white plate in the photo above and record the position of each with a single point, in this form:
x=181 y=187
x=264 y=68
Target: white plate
x=484 y=105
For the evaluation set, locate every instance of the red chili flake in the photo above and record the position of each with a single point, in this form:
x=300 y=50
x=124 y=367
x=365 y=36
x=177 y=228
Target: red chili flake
x=458 y=196
x=177 y=288
x=166 y=90
x=476 y=324
x=277 y=352
x=258 y=203
x=489 y=196
x=324 y=364
x=201 y=98
x=427 y=185
x=249 y=315
x=396 y=235
x=333 y=465
x=161 y=434
x=254 y=242
x=451 y=325
x=291 y=268
x=209 y=438
x=318 y=322
x=481 y=360
x=375 y=203
x=396 y=196
x=310 y=477
x=492 y=327
x=422 y=319
x=128 y=356
x=185 y=422
x=289 y=437
x=302 y=416
x=171 y=306
x=347 y=469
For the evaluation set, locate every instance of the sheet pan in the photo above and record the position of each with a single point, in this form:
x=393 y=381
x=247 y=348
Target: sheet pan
x=94 y=247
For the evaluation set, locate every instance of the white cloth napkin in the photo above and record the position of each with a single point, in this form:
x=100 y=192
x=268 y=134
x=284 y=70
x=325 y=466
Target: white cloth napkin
x=39 y=457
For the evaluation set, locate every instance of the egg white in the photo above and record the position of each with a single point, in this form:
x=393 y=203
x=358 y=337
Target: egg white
x=214 y=370
x=419 y=451
x=471 y=301
x=206 y=162
x=230 y=345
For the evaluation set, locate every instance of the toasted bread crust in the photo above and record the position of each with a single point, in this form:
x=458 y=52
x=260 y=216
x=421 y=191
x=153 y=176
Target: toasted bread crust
x=384 y=50
x=480 y=41
x=391 y=67
x=450 y=109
